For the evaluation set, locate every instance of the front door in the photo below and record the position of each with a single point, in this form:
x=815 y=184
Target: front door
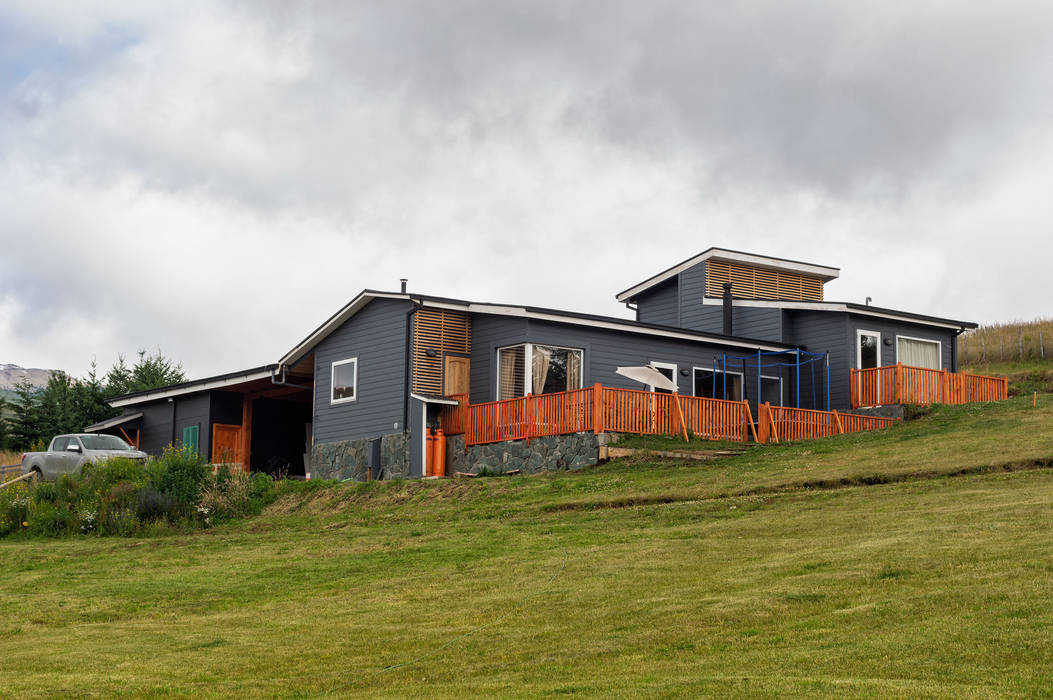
x=868 y=356
x=457 y=377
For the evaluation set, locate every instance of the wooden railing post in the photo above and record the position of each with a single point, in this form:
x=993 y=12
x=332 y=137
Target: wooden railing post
x=749 y=421
x=597 y=408
x=837 y=419
x=899 y=383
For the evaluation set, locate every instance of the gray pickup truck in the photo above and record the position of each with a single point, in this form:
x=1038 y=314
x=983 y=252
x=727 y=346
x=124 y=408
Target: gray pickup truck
x=69 y=453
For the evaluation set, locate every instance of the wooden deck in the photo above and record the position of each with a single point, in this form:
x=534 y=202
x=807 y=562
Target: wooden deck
x=903 y=384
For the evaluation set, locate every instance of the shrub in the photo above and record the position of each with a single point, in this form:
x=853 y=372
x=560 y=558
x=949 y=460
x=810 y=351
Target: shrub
x=151 y=504
x=231 y=494
x=180 y=473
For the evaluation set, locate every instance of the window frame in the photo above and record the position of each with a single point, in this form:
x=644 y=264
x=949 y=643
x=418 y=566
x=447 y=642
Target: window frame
x=332 y=381
x=937 y=343
x=740 y=375
x=528 y=366
x=655 y=364
x=860 y=332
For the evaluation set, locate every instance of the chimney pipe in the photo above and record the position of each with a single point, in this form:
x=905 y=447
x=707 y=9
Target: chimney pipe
x=404 y=281
x=727 y=309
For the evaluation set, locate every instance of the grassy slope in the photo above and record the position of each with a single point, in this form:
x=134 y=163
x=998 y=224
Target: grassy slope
x=936 y=587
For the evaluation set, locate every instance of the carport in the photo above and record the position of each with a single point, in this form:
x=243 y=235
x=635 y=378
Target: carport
x=257 y=419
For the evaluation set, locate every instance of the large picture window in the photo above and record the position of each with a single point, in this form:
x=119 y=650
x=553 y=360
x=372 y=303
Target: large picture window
x=917 y=352
x=549 y=369
x=345 y=381
x=710 y=384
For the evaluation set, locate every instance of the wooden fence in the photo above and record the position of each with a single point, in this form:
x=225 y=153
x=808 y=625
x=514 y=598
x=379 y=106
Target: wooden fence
x=783 y=423
x=598 y=409
x=898 y=384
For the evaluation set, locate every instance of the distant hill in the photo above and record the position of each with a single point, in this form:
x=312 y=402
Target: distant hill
x=10 y=375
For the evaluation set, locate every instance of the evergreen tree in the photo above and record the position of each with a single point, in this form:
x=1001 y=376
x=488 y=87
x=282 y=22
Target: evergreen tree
x=26 y=426
x=5 y=430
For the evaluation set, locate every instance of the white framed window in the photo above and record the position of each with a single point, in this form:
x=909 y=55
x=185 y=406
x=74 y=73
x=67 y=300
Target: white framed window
x=344 y=385
x=919 y=352
x=550 y=369
x=868 y=349
x=710 y=384
x=771 y=390
x=668 y=370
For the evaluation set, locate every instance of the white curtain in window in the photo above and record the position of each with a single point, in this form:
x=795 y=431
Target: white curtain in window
x=919 y=353
x=539 y=369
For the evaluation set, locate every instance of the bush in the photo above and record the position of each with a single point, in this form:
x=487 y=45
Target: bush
x=232 y=494
x=151 y=504
x=180 y=473
x=125 y=497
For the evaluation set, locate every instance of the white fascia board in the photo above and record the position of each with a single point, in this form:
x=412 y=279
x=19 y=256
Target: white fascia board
x=821 y=271
x=203 y=386
x=830 y=306
x=113 y=422
x=353 y=307
x=425 y=399
x=615 y=326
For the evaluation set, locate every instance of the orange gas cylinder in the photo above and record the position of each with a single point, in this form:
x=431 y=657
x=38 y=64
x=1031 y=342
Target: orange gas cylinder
x=438 y=460
x=429 y=454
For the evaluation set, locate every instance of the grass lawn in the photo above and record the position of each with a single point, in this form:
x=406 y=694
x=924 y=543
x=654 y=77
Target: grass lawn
x=791 y=569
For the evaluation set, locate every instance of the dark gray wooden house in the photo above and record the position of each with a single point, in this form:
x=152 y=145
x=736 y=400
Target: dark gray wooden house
x=358 y=392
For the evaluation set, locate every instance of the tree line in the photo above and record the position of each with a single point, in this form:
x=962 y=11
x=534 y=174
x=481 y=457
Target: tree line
x=68 y=404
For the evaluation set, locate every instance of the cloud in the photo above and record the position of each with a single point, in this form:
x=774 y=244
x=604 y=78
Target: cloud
x=217 y=178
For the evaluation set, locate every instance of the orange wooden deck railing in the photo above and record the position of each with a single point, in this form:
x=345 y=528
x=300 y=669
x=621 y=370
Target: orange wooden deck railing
x=784 y=423
x=598 y=409
x=454 y=419
x=898 y=384
x=595 y=409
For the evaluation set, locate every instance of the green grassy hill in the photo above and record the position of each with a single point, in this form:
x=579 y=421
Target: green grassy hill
x=912 y=562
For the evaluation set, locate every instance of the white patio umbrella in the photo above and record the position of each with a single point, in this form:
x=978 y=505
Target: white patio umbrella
x=646 y=374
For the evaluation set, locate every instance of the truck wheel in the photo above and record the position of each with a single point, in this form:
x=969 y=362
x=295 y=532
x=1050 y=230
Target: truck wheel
x=35 y=477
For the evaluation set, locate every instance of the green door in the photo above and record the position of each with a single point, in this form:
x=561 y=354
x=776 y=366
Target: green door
x=190 y=438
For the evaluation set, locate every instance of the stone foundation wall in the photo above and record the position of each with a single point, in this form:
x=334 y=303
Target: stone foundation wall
x=555 y=453
x=349 y=459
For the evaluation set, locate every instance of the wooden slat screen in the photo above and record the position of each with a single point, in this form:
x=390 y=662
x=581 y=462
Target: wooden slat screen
x=750 y=282
x=442 y=331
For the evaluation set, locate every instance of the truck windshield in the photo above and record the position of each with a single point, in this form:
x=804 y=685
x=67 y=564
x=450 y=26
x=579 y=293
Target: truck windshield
x=104 y=442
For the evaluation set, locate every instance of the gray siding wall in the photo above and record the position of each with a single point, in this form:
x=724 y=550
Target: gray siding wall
x=820 y=332
x=192 y=410
x=890 y=329
x=747 y=322
x=833 y=332
x=660 y=305
x=692 y=291
x=604 y=352
x=376 y=335
x=156 y=426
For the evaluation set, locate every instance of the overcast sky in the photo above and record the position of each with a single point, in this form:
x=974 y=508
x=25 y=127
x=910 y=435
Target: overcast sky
x=214 y=179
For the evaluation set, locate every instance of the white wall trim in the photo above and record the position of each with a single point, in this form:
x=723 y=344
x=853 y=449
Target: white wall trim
x=828 y=306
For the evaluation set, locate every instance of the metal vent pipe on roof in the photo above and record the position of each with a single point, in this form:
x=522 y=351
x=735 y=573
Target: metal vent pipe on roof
x=403 y=281
x=727 y=309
